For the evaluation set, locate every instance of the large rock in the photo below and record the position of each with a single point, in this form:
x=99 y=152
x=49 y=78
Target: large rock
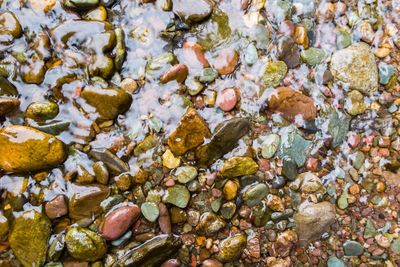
x=225 y=138
x=239 y=166
x=312 y=220
x=108 y=102
x=190 y=133
x=192 y=10
x=24 y=149
x=84 y=244
x=29 y=238
x=151 y=253
x=85 y=200
x=356 y=67
x=292 y=104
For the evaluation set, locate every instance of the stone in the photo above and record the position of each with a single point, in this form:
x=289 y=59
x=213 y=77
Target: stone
x=225 y=137
x=230 y=189
x=85 y=200
x=151 y=253
x=386 y=72
x=251 y=54
x=369 y=230
x=57 y=207
x=239 y=166
x=41 y=111
x=338 y=127
x=190 y=133
x=185 y=174
x=208 y=75
x=164 y=220
x=289 y=168
x=29 y=238
x=84 y=244
x=178 y=73
x=192 y=11
x=354 y=103
x=80 y=5
x=159 y=65
x=292 y=104
x=24 y=149
x=227 y=99
x=355 y=66
x=194 y=56
x=177 y=195
x=293 y=145
x=226 y=61
x=107 y=103
x=310 y=183
x=4 y=227
x=7 y=88
x=209 y=224
x=272 y=73
x=118 y=221
x=343 y=39
x=288 y=51
x=312 y=220
x=169 y=160
x=269 y=145
x=8 y=105
x=313 y=56
x=352 y=248
x=253 y=194
x=231 y=248
x=335 y=262
x=150 y=211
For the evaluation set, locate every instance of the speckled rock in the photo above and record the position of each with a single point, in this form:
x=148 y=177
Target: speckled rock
x=177 y=195
x=84 y=244
x=239 y=166
x=356 y=67
x=231 y=248
x=210 y=223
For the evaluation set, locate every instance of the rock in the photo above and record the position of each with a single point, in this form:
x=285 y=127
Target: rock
x=185 y=174
x=251 y=54
x=7 y=88
x=24 y=149
x=8 y=105
x=354 y=103
x=209 y=224
x=150 y=211
x=312 y=220
x=369 y=230
x=194 y=56
x=231 y=248
x=292 y=104
x=343 y=39
x=227 y=210
x=118 y=221
x=177 y=195
x=395 y=246
x=29 y=238
x=84 y=244
x=107 y=102
x=273 y=73
x=194 y=86
x=226 y=61
x=211 y=263
x=151 y=253
x=148 y=143
x=386 y=72
x=101 y=173
x=57 y=207
x=285 y=242
x=352 y=248
x=313 y=56
x=225 y=137
x=227 y=99
x=41 y=111
x=123 y=181
x=356 y=67
x=164 y=220
x=178 y=73
x=169 y=160
x=335 y=262
x=289 y=168
x=269 y=145
x=230 y=189
x=239 y=166
x=85 y=200
x=208 y=75
x=288 y=51
x=253 y=194
x=192 y=11
x=113 y=163
x=338 y=127
x=190 y=133
x=178 y=216
x=293 y=145
x=80 y=5
x=159 y=65
x=310 y=183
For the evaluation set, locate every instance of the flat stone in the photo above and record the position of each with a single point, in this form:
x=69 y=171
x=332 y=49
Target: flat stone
x=177 y=195
x=352 y=248
x=231 y=248
x=239 y=166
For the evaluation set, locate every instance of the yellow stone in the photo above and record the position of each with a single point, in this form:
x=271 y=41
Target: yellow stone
x=230 y=190
x=42 y=5
x=169 y=160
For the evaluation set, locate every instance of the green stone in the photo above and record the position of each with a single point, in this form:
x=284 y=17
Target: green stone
x=251 y=55
x=343 y=39
x=84 y=244
x=386 y=72
x=342 y=201
x=395 y=246
x=41 y=111
x=358 y=159
x=29 y=238
x=335 y=262
x=185 y=174
x=352 y=248
x=208 y=75
x=239 y=166
x=253 y=194
x=150 y=211
x=177 y=195
x=270 y=145
x=273 y=73
x=293 y=145
x=313 y=56
x=369 y=230
x=194 y=87
x=338 y=127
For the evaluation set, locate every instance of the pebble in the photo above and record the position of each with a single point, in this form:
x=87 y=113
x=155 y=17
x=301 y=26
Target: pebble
x=230 y=189
x=177 y=195
x=118 y=221
x=253 y=194
x=210 y=223
x=353 y=248
x=169 y=160
x=185 y=174
x=57 y=207
x=231 y=248
x=270 y=145
x=164 y=220
x=226 y=61
x=227 y=99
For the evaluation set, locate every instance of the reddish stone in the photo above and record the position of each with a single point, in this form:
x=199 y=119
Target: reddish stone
x=57 y=207
x=164 y=220
x=194 y=55
x=354 y=140
x=227 y=99
x=226 y=61
x=178 y=72
x=312 y=164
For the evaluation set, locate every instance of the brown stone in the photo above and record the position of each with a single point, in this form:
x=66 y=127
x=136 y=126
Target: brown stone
x=226 y=61
x=194 y=55
x=177 y=72
x=57 y=207
x=291 y=104
x=190 y=133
